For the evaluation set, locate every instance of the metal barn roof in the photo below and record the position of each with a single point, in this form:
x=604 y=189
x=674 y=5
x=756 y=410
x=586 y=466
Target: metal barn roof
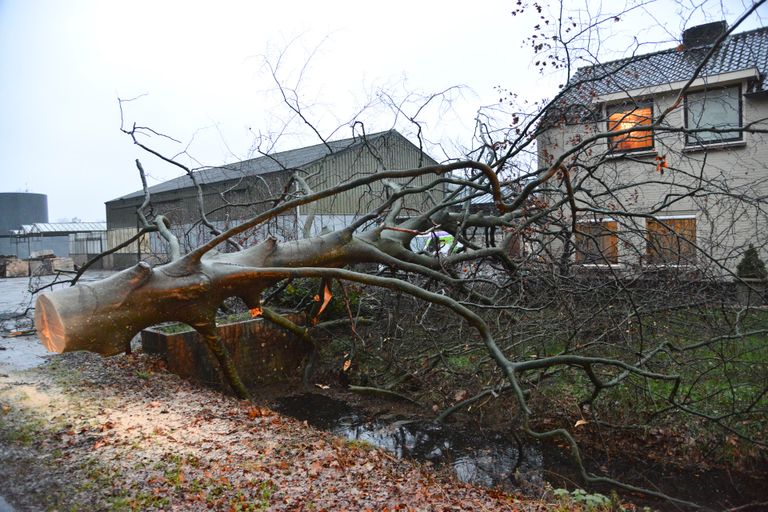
x=291 y=159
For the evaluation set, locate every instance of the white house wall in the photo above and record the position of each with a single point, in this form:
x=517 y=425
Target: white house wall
x=725 y=222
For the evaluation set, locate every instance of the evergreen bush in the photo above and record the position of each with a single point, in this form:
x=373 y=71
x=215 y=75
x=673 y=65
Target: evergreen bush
x=751 y=266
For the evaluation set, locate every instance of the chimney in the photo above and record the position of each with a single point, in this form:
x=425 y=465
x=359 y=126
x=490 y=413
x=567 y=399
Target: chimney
x=703 y=35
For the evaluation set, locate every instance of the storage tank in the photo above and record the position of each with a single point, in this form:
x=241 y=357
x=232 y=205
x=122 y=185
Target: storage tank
x=17 y=208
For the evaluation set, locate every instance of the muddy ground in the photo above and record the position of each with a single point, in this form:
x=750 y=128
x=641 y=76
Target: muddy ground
x=82 y=432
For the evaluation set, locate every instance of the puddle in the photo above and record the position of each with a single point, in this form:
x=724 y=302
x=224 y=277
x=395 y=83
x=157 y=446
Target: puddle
x=18 y=353
x=476 y=457
x=21 y=353
x=495 y=460
x=5 y=506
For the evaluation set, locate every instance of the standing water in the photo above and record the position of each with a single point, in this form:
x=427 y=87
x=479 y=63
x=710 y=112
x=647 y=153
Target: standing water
x=495 y=460
x=475 y=457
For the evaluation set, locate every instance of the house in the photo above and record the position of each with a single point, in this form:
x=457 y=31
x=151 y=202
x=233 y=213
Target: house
x=683 y=181
x=240 y=190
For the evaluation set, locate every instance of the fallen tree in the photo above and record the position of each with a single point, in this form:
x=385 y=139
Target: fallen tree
x=533 y=269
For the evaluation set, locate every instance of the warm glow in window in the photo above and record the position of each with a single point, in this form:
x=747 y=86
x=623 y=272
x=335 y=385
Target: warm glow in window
x=627 y=118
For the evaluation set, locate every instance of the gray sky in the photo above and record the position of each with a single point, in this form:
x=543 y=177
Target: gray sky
x=200 y=67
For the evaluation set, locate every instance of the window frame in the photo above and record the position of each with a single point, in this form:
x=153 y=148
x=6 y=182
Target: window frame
x=627 y=108
x=603 y=257
x=692 y=140
x=680 y=259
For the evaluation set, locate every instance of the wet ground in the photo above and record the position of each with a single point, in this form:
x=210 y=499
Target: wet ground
x=481 y=458
x=82 y=432
x=19 y=347
x=475 y=456
x=523 y=466
x=5 y=506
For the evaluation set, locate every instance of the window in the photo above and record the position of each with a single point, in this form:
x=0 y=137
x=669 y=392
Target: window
x=596 y=242
x=718 y=109
x=624 y=117
x=670 y=241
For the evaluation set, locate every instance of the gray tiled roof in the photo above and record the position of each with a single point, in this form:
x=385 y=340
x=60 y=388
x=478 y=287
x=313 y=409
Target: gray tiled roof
x=291 y=159
x=738 y=52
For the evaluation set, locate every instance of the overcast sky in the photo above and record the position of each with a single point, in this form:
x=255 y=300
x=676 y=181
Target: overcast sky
x=200 y=67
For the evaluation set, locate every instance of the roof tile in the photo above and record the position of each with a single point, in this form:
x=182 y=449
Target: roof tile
x=738 y=52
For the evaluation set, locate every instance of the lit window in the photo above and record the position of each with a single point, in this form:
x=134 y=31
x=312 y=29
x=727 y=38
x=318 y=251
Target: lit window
x=596 y=242
x=717 y=109
x=670 y=241
x=626 y=117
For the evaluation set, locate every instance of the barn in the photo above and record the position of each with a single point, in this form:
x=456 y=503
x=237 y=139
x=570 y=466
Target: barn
x=240 y=190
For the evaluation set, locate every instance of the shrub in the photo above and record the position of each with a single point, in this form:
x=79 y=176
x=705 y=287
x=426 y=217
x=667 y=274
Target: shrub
x=751 y=266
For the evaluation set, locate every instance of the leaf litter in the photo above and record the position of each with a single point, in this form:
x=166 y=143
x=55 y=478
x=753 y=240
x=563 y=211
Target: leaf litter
x=121 y=433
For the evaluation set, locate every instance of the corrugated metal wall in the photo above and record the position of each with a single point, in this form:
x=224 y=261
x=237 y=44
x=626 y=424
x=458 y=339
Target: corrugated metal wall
x=181 y=206
x=118 y=236
x=87 y=243
x=390 y=151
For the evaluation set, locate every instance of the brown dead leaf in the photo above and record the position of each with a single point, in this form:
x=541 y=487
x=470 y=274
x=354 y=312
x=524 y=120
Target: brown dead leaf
x=327 y=296
x=580 y=423
x=315 y=468
x=258 y=412
x=107 y=425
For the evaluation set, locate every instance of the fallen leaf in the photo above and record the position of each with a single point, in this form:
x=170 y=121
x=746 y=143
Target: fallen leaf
x=580 y=423
x=258 y=412
x=107 y=426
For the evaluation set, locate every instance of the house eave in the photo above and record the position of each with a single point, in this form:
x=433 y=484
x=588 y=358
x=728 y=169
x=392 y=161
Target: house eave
x=707 y=81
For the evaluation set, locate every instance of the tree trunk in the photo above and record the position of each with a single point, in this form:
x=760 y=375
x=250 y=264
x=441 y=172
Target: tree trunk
x=103 y=316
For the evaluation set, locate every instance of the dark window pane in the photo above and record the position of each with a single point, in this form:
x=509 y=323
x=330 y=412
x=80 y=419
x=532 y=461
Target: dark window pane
x=596 y=242
x=713 y=108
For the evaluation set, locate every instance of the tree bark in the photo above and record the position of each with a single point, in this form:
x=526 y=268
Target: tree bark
x=102 y=316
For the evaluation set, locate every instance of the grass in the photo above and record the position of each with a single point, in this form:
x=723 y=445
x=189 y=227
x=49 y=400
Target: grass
x=174 y=328
x=723 y=379
x=179 y=327
x=460 y=362
x=360 y=444
x=23 y=434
